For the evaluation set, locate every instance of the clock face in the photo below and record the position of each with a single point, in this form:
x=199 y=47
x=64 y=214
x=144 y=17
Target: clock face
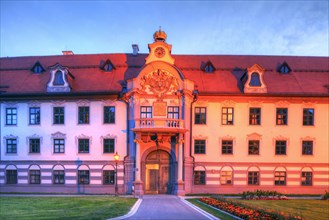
x=159 y=52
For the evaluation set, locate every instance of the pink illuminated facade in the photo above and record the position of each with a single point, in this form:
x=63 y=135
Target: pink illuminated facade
x=180 y=123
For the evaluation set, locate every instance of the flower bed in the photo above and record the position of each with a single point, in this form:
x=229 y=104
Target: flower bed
x=245 y=212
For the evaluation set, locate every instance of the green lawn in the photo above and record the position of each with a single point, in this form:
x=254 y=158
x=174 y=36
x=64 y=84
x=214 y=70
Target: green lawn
x=210 y=210
x=84 y=207
x=308 y=209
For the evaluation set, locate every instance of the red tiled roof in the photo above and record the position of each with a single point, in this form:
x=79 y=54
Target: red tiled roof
x=310 y=75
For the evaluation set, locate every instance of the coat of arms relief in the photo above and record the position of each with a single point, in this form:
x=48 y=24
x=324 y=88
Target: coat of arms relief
x=159 y=82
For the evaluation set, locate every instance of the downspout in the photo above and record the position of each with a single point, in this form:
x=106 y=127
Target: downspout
x=195 y=98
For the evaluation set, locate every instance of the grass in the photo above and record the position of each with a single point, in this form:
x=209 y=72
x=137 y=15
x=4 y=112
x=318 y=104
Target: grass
x=86 y=207
x=210 y=210
x=308 y=209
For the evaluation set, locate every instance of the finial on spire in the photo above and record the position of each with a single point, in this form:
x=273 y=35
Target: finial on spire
x=160 y=35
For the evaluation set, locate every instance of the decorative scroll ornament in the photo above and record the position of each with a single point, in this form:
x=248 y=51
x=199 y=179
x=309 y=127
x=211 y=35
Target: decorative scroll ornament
x=159 y=82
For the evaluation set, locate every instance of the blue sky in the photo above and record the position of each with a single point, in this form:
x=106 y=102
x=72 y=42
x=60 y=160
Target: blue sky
x=193 y=27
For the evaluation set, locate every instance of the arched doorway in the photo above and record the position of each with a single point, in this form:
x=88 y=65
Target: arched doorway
x=159 y=173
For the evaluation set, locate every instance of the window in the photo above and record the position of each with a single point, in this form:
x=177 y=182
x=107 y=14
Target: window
x=108 y=177
x=253 y=147
x=11 y=176
x=307 y=147
x=35 y=177
x=58 y=177
x=173 y=112
x=11 y=146
x=146 y=112
x=227 y=147
x=255 y=80
x=37 y=68
x=58 y=81
x=209 y=68
x=83 y=176
x=108 y=67
x=200 y=115
x=254 y=116
x=83 y=115
x=34 y=145
x=34 y=115
x=199 y=177
x=306 y=178
x=11 y=116
x=226 y=178
x=83 y=145
x=280 y=178
x=253 y=178
x=308 y=116
x=281 y=116
x=59 y=146
x=58 y=115
x=284 y=68
x=227 y=116
x=108 y=145
x=280 y=147
x=109 y=114
x=199 y=146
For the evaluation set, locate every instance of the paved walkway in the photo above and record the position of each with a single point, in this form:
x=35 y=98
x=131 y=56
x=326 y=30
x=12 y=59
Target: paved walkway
x=167 y=207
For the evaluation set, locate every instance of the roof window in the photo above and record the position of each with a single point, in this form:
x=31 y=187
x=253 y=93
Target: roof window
x=284 y=68
x=207 y=67
x=37 y=68
x=107 y=66
x=255 y=80
x=58 y=81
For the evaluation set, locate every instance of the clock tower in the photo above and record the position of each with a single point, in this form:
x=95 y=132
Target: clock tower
x=159 y=49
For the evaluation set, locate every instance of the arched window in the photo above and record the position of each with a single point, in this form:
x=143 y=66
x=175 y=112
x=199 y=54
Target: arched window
x=58 y=78
x=255 y=80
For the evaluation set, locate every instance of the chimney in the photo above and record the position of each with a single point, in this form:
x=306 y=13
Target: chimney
x=67 y=52
x=135 y=49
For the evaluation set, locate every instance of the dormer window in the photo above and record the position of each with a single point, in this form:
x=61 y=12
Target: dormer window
x=255 y=81
x=59 y=79
x=37 y=68
x=107 y=66
x=208 y=67
x=284 y=68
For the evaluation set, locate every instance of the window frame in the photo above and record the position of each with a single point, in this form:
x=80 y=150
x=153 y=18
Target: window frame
x=308 y=119
x=200 y=118
x=199 y=146
x=83 y=177
x=146 y=112
x=11 y=116
x=83 y=146
x=255 y=80
x=199 y=177
x=224 y=178
x=34 y=177
x=306 y=144
x=255 y=116
x=34 y=145
x=58 y=117
x=253 y=178
x=58 y=146
x=280 y=148
x=173 y=112
x=226 y=115
x=227 y=148
x=12 y=146
x=306 y=180
x=281 y=116
x=108 y=177
x=83 y=115
x=253 y=146
x=34 y=115
x=11 y=178
x=278 y=175
x=109 y=115
x=58 y=177
x=111 y=149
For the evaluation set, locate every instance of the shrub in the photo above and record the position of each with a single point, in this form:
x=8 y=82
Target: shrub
x=262 y=194
x=325 y=196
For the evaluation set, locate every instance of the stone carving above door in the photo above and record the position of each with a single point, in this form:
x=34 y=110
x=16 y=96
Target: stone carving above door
x=159 y=82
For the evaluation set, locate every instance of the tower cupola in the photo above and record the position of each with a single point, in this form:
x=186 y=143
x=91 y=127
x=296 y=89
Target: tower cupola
x=160 y=36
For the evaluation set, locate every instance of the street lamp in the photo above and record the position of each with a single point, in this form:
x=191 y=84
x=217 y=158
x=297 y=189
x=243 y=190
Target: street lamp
x=116 y=158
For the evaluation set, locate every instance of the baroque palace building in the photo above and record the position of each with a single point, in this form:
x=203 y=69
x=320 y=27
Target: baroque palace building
x=180 y=123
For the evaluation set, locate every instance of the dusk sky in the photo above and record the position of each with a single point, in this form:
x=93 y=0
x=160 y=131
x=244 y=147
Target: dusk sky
x=30 y=28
